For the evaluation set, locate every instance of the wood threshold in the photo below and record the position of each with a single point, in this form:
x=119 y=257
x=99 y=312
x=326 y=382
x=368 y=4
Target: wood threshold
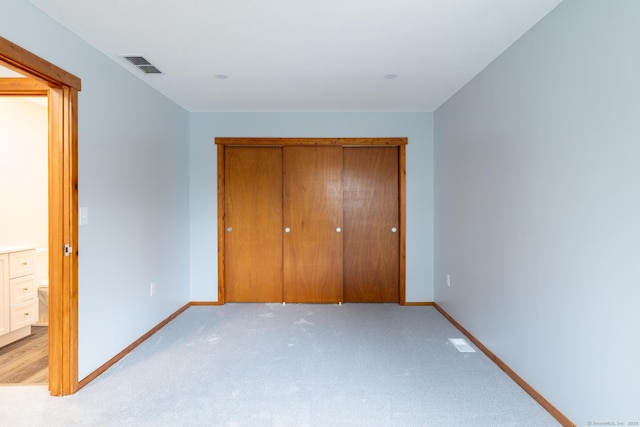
x=552 y=410
x=115 y=359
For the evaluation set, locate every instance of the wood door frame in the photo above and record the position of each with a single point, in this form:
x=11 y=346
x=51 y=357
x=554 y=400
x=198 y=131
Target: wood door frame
x=401 y=143
x=62 y=89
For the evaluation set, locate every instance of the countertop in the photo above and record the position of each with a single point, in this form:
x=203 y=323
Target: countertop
x=7 y=249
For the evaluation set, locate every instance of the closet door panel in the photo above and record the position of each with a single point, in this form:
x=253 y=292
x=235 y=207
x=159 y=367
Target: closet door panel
x=371 y=246
x=312 y=202
x=253 y=224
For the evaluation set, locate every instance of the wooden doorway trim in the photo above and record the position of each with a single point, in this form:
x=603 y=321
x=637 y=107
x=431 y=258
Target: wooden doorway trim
x=401 y=143
x=62 y=90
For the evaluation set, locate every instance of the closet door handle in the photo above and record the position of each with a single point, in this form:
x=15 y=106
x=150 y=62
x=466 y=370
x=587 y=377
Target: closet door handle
x=338 y=230
x=287 y=230
x=229 y=229
x=393 y=229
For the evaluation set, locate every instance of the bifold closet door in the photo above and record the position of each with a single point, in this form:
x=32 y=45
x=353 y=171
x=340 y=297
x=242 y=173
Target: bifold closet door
x=371 y=221
x=253 y=224
x=312 y=205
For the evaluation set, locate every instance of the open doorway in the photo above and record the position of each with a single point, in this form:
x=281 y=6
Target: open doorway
x=61 y=90
x=24 y=293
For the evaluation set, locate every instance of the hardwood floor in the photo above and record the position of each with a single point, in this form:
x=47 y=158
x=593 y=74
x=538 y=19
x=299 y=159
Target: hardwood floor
x=26 y=361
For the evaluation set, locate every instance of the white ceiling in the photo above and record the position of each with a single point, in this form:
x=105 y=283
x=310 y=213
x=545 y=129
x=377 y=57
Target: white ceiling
x=303 y=55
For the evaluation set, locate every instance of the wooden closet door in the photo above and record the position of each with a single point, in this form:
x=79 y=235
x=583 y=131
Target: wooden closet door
x=253 y=224
x=312 y=205
x=371 y=246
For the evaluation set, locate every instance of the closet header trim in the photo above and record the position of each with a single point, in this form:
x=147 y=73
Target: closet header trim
x=389 y=142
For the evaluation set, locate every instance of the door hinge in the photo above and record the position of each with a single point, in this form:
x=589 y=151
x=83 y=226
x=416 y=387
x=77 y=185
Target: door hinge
x=68 y=250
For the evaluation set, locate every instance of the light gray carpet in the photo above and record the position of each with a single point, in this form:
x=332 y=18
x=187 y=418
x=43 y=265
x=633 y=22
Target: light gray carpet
x=293 y=365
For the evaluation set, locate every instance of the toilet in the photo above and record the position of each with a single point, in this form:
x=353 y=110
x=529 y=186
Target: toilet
x=42 y=276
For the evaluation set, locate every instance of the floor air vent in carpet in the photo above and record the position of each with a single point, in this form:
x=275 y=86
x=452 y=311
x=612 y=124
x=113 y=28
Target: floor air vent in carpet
x=462 y=345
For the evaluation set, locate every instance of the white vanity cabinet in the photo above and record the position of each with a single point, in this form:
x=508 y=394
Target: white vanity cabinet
x=18 y=294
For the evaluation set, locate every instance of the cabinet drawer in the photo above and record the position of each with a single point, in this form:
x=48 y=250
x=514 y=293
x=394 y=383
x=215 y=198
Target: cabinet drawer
x=22 y=289
x=21 y=263
x=24 y=314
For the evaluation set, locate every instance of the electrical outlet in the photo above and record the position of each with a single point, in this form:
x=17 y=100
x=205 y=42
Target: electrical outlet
x=152 y=288
x=448 y=280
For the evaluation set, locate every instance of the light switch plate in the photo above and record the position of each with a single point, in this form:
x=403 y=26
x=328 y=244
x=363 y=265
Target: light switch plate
x=84 y=216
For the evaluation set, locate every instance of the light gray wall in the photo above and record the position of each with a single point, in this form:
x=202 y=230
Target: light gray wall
x=418 y=127
x=538 y=208
x=133 y=177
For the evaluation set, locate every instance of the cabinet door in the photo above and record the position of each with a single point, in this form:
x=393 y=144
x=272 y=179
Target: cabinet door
x=371 y=235
x=313 y=215
x=253 y=224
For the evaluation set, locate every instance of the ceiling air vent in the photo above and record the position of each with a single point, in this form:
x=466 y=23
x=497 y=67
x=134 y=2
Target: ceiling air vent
x=142 y=64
